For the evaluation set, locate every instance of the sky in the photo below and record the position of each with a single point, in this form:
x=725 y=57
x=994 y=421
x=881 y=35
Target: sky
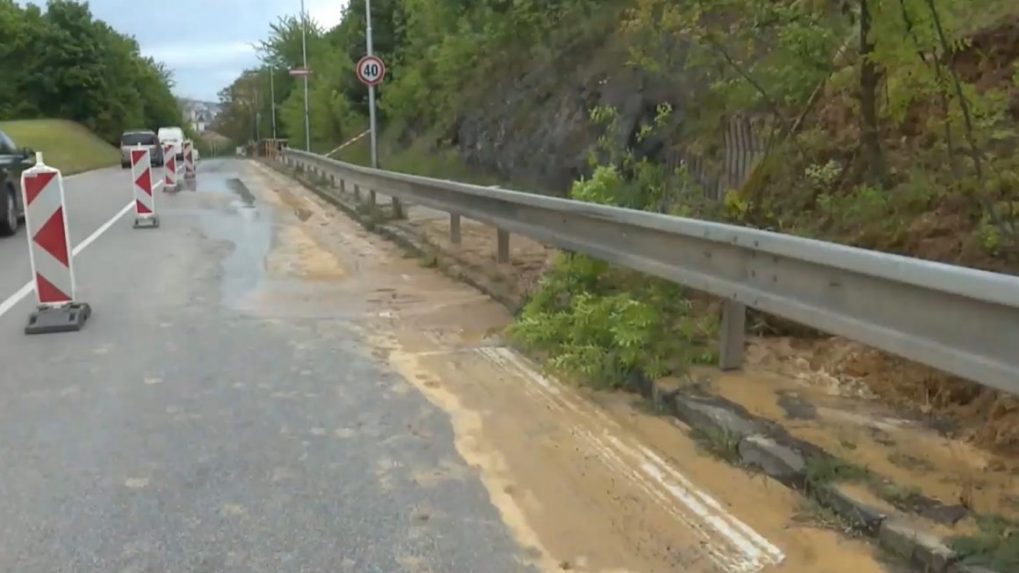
x=207 y=43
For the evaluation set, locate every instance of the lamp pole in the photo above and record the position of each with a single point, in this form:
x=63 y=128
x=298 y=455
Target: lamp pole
x=272 y=96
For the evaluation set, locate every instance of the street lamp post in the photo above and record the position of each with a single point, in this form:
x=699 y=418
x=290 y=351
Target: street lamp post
x=257 y=114
x=304 y=55
x=272 y=96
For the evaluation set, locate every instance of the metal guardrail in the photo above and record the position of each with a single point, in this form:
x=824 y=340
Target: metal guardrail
x=956 y=319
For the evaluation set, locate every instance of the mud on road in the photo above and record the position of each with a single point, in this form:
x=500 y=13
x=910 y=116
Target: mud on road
x=585 y=481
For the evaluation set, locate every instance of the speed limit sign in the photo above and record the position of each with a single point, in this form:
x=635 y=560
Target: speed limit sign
x=371 y=70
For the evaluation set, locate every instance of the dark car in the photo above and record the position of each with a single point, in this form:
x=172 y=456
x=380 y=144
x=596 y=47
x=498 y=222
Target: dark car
x=12 y=162
x=145 y=138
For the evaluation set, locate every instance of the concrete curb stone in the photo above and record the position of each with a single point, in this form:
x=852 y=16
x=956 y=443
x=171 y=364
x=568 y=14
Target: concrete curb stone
x=778 y=461
x=858 y=513
x=706 y=413
x=919 y=547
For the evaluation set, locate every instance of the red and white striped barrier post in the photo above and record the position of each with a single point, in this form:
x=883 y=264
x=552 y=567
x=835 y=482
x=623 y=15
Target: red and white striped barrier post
x=189 y=159
x=144 y=200
x=49 y=247
x=169 y=168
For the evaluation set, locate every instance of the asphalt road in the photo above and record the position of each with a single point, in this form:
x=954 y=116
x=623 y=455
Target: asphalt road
x=178 y=432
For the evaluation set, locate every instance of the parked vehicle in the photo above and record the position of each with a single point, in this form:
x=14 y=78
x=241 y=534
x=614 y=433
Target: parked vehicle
x=173 y=136
x=12 y=162
x=146 y=138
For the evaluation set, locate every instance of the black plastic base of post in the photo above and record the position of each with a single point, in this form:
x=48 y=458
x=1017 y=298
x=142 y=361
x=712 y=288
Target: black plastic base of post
x=146 y=222
x=68 y=318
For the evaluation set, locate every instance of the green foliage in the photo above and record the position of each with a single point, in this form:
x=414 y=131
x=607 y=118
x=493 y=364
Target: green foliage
x=995 y=545
x=736 y=54
x=605 y=187
x=438 y=52
x=62 y=63
x=603 y=323
x=823 y=177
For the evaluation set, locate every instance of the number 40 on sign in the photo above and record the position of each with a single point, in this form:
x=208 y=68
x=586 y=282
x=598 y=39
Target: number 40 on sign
x=371 y=70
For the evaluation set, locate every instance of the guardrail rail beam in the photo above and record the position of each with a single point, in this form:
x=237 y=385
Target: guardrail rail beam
x=956 y=319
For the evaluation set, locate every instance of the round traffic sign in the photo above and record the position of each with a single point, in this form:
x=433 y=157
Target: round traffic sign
x=371 y=70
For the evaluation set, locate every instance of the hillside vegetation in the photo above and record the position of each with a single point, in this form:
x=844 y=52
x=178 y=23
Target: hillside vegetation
x=62 y=63
x=886 y=124
x=66 y=145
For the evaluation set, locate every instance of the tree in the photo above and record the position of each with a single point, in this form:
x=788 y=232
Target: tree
x=63 y=63
x=870 y=78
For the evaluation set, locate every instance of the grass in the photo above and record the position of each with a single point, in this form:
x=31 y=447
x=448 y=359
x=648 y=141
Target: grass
x=720 y=443
x=996 y=544
x=824 y=470
x=417 y=159
x=66 y=145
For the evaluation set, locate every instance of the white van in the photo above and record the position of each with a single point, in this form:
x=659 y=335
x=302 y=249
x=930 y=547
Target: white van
x=173 y=136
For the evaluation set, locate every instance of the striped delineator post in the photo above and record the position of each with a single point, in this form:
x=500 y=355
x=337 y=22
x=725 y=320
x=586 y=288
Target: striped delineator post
x=144 y=200
x=49 y=248
x=169 y=168
x=189 y=159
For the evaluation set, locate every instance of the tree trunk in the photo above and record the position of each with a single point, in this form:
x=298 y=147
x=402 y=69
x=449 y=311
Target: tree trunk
x=870 y=77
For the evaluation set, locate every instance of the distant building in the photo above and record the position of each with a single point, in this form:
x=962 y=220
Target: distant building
x=199 y=115
x=199 y=122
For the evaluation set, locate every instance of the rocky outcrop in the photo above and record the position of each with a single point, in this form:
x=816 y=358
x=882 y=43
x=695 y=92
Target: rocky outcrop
x=535 y=129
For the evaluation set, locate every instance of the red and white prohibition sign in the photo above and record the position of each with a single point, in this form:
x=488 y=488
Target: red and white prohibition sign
x=371 y=70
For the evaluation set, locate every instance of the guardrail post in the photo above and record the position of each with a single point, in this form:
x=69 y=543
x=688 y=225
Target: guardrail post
x=397 y=208
x=371 y=198
x=343 y=185
x=732 y=335
x=357 y=192
x=503 y=246
x=454 y=228
x=332 y=176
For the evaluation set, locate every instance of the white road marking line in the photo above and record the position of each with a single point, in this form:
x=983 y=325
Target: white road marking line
x=24 y=291
x=15 y=298
x=105 y=227
x=656 y=476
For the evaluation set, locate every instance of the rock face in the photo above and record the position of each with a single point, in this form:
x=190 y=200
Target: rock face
x=535 y=128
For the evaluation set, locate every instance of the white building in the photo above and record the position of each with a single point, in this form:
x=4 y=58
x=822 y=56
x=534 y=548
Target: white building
x=199 y=115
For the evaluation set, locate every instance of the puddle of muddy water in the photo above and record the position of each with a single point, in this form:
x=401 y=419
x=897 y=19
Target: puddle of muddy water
x=242 y=222
x=238 y=187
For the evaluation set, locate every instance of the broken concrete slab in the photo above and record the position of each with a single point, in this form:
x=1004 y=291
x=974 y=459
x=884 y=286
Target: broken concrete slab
x=795 y=407
x=919 y=547
x=778 y=461
x=947 y=514
x=707 y=414
x=663 y=393
x=852 y=507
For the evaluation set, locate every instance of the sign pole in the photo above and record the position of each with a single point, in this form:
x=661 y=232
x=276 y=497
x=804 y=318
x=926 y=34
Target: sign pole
x=304 y=55
x=371 y=88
